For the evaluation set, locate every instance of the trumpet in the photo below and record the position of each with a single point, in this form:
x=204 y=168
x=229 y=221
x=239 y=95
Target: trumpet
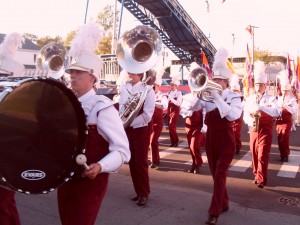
x=199 y=82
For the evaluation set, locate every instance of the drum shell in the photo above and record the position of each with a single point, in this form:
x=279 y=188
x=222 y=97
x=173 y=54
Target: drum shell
x=42 y=130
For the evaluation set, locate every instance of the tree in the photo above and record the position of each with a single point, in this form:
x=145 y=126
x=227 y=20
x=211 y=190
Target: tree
x=31 y=37
x=46 y=40
x=104 y=46
x=69 y=38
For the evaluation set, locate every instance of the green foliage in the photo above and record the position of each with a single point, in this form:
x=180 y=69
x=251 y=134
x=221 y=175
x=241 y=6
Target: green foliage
x=45 y=40
x=69 y=38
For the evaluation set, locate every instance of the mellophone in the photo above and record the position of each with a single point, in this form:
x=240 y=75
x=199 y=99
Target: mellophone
x=42 y=131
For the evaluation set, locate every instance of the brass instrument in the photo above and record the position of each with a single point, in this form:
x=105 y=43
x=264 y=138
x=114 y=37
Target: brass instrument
x=53 y=59
x=199 y=82
x=256 y=117
x=138 y=51
x=134 y=104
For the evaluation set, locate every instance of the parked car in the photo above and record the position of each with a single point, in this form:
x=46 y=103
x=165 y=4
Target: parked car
x=183 y=87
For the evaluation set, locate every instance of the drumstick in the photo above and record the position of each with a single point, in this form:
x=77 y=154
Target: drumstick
x=81 y=160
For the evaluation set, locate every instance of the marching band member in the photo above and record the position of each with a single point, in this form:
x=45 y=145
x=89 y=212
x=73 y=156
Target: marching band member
x=79 y=199
x=263 y=107
x=288 y=106
x=161 y=104
x=10 y=67
x=221 y=110
x=138 y=133
x=193 y=126
x=175 y=100
x=122 y=79
x=237 y=124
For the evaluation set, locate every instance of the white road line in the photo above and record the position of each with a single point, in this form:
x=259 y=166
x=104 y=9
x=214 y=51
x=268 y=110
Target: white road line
x=290 y=169
x=243 y=164
x=162 y=139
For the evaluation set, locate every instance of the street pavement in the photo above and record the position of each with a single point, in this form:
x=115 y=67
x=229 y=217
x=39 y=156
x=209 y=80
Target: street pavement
x=172 y=204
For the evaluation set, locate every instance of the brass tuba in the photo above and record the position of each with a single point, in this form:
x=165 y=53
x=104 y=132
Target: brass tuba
x=199 y=82
x=53 y=59
x=138 y=51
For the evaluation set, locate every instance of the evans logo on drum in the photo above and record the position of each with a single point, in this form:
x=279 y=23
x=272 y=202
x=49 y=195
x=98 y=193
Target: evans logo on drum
x=33 y=175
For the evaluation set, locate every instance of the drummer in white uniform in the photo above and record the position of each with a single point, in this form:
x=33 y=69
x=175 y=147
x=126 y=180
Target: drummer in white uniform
x=107 y=146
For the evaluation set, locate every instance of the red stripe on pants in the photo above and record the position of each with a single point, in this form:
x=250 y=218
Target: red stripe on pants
x=8 y=210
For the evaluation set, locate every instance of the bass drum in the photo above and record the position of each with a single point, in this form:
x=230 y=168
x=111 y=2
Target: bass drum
x=42 y=130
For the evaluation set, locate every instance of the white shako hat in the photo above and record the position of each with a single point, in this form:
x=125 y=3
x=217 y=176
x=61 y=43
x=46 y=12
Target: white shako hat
x=284 y=80
x=260 y=76
x=219 y=68
x=8 y=49
x=82 y=50
x=234 y=82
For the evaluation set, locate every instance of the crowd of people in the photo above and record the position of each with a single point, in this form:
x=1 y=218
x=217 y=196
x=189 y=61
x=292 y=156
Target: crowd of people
x=213 y=120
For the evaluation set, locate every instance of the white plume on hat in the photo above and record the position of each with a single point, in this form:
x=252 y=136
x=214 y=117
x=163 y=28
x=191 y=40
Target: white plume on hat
x=176 y=79
x=234 y=82
x=159 y=74
x=259 y=72
x=82 y=50
x=123 y=78
x=8 y=50
x=219 y=68
x=194 y=66
x=284 y=80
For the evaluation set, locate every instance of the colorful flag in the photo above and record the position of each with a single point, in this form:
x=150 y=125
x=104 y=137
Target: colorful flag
x=205 y=64
x=288 y=67
x=247 y=80
x=250 y=30
x=297 y=74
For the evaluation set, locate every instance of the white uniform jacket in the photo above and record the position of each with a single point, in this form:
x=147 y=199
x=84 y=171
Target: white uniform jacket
x=101 y=112
x=175 y=94
x=287 y=102
x=126 y=93
x=267 y=104
x=229 y=105
x=161 y=100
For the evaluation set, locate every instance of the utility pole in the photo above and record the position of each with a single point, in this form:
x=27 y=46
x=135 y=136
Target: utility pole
x=86 y=11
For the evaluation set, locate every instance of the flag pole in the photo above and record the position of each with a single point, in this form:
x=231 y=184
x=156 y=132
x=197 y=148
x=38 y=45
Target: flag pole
x=252 y=28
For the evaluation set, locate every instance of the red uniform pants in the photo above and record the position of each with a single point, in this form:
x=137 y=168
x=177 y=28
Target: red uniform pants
x=139 y=140
x=8 y=210
x=157 y=126
x=195 y=140
x=237 y=127
x=260 y=146
x=283 y=129
x=79 y=200
x=173 y=116
x=220 y=150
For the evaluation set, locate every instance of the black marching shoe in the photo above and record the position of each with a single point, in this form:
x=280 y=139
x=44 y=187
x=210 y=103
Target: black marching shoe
x=212 y=220
x=191 y=170
x=142 y=201
x=225 y=209
x=260 y=185
x=254 y=181
x=176 y=144
x=154 y=165
x=135 y=198
x=197 y=170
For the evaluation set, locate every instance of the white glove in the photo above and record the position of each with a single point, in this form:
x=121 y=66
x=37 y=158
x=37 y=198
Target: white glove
x=254 y=108
x=203 y=129
x=215 y=94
